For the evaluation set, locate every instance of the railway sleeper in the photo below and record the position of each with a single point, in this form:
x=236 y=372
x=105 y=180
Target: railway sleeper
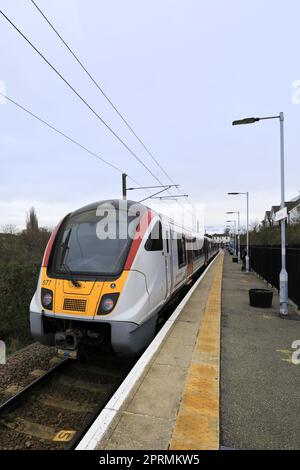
x=32 y=429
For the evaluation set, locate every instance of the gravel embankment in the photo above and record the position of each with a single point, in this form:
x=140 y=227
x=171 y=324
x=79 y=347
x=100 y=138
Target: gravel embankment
x=18 y=368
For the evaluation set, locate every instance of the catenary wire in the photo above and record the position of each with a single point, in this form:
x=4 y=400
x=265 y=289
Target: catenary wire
x=70 y=139
x=81 y=98
x=101 y=90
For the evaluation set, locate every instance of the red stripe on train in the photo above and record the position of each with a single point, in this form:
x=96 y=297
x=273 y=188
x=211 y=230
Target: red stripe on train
x=139 y=235
x=50 y=245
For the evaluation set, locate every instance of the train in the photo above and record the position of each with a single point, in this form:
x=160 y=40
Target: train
x=108 y=270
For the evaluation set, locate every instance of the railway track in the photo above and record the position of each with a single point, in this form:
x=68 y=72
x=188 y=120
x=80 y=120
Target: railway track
x=56 y=410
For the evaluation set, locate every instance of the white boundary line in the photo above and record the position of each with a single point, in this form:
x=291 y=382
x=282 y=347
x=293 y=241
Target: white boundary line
x=105 y=418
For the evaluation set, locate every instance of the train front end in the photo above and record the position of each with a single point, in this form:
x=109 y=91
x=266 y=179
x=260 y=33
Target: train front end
x=87 y=291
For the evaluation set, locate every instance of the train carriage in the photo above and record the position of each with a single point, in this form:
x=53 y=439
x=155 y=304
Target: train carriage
x=108 y=270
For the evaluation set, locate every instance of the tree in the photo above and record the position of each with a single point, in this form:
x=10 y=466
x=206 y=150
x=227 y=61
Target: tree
x=262 y=235
x=32 y=224
x=10 y=229
x=21 y=254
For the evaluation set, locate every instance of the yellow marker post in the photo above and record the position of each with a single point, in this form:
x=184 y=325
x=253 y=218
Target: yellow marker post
x=64 y=436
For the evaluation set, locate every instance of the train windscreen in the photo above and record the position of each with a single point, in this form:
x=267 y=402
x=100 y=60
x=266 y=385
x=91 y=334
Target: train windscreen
x=94 y=244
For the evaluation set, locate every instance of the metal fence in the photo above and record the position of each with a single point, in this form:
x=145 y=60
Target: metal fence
x=266 y=261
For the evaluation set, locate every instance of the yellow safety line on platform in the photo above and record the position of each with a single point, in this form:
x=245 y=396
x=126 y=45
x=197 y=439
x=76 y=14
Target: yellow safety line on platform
x=197 y=425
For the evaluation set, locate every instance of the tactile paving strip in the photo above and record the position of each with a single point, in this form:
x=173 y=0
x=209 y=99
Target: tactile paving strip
x=197 y=424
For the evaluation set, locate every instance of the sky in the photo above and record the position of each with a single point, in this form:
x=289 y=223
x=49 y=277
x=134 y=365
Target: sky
x=180 y=71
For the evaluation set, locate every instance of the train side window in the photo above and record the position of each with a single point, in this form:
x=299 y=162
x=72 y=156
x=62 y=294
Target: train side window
x=181 y=252
x=167 y=240
x=155 y=240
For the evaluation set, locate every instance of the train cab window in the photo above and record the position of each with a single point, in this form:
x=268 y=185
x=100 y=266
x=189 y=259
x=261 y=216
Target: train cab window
x=80 y=250
x=181 y=252
x=155 y=239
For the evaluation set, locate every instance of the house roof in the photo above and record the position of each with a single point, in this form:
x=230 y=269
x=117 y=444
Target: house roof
x=291 y=204
x=275 y=209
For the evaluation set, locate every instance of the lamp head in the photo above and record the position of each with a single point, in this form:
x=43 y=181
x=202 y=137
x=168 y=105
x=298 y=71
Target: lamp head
x=240 y=122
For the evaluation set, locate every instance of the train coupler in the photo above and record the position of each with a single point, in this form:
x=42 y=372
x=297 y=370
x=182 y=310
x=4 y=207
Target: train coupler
x=67 y=344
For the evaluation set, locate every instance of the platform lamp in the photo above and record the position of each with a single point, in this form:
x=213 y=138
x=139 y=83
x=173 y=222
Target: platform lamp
x=233 y=222
x=283 y=277
x=247 y=243
x=238 y=234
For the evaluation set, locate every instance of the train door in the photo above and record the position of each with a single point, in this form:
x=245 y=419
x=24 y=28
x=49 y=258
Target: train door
x=168 y=260
x=189 y=245
x=154 y=265
x=205 y=246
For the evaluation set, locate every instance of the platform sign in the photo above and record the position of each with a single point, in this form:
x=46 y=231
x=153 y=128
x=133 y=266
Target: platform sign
x=280 y=215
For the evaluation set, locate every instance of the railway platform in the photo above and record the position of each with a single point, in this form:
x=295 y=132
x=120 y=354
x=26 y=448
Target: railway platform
x=260 y=382
x=178 y=389
x=220 y=377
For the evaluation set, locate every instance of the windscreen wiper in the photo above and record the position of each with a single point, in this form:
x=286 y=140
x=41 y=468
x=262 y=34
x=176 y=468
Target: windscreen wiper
x=68 y=270
x=65 y=247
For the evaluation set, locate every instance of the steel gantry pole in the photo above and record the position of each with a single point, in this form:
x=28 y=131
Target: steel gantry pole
x=124 y=186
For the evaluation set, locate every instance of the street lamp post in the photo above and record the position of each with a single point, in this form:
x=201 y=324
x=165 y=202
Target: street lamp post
x=234 y=234
x=247 y=242
x=238 y=235
x=283 y=278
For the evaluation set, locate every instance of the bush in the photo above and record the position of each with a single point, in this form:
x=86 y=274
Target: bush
x=21 y=255
x=272 y=235
x=17 y=285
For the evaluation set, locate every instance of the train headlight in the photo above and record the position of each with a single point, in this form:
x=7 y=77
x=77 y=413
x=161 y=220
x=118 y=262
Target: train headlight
x=47 y=298
x=108 y=303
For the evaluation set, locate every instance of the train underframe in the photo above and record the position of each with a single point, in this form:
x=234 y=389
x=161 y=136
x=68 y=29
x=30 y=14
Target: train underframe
x=70 y=336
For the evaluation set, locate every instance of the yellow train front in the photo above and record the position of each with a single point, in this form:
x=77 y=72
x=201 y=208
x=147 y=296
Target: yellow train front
x=107 y=271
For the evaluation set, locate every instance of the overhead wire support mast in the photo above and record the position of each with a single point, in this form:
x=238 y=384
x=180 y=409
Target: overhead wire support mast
x=151 y=196
x=165 y=187
x=170 y=197
x=80 y=97
x=102 y=91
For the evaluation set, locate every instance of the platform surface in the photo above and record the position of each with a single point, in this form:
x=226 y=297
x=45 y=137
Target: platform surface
x=260 y=386
x=148 y=418
x=223 y=378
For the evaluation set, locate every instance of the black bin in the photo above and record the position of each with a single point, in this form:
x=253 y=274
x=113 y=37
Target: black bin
x=261 y=298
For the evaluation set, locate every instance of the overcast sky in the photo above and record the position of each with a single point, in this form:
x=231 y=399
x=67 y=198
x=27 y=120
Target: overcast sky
x=180 y=71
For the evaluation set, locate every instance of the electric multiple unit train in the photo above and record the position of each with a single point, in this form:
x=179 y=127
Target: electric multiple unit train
x=107 y=271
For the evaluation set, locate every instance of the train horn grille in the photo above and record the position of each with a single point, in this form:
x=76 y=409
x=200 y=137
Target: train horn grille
x=77 y=305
